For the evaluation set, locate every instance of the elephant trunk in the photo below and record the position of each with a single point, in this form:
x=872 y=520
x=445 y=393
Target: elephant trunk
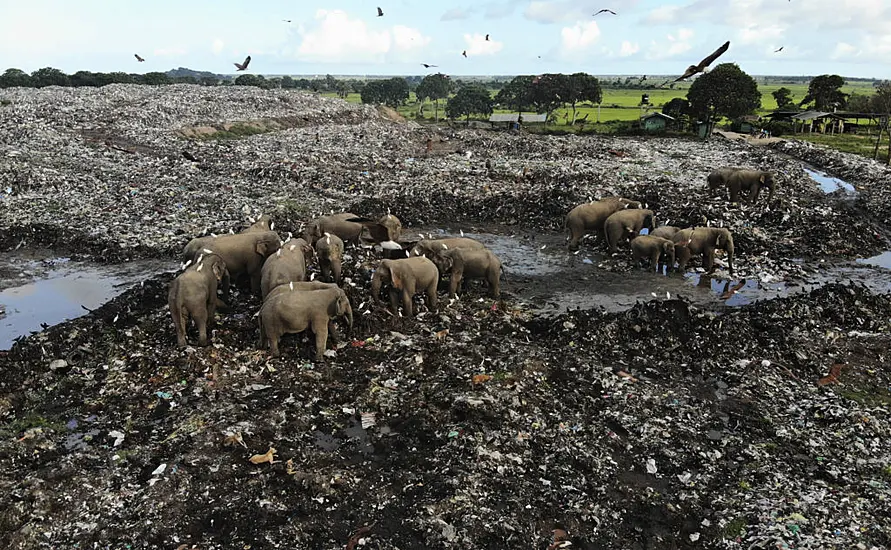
x=348 y=313
x=376 y=286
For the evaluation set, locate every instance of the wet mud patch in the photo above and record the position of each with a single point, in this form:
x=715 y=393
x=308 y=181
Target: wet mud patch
x=39 y=289
x=830 y=184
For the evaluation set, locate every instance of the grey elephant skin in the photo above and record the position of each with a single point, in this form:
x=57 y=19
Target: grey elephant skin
x=592 y=216
x=627 y=224
x=406 y=277
x=194 y=294
x=286 y=265
x=470 y=263
x=288 y=311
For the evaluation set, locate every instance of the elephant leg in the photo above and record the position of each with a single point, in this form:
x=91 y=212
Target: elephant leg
x=200 y=317
x=179 y=324
x=432 y=297
x=336 y=269
x=407 y=302
x=734 y=193
x=273 y=343
x=654 y=261
x=708 y=259
x=261 y=344
x=255 y=282
x=395 y=296
x=227 y=280
x=320 y=328
x=324 y=271
x=454 y=282
x=753 y=196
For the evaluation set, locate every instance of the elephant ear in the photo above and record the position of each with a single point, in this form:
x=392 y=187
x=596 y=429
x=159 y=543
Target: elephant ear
x=395 y=277
x=761 y=179
x=218 y=269
x=261 y=248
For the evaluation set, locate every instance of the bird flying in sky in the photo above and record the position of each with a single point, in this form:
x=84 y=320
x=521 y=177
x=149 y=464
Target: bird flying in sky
x=243 y=66
x=140 y=59
x=693 y=69
x=427 y=66
x=779 y=49
x=487 y=38
x=464 y=53
x=605 y=11
x=380 y=12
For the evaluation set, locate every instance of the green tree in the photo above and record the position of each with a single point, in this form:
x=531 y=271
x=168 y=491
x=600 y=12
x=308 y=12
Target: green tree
x=858 y=103
x=549 y=92
x=391 y=92
x=880 y=103
x=470 y=100
x=330 y=83
x=49 y=76
x=434 y=87
x=120 y=78
x=825 y=92
x=155 y=79
x=250 y=80
x=676 y=108
x=581 y=87
x=783 y=97
x=724 y=91
x=288 y=83
x=516 y=94
x=13 y=78
x=209 y=81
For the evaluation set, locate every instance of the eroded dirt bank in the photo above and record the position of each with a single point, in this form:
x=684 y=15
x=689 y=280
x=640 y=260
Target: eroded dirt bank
x=633 y=422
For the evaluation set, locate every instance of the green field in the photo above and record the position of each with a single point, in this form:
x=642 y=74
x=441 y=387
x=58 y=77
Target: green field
x=623 y=104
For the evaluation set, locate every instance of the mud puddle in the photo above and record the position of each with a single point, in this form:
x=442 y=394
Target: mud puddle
x=38 y=289
x=828 y=183
x=539 y=270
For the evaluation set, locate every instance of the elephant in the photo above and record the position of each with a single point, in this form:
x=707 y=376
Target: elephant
x=718 y=179
x=665 y=231
x=194 y=294
x=329 y=249
x=244 y=254
x=407 y=277
x=592 y=216
x=627 y=224
x=750 y=183
x=704 y=241
x=294 y=311
x=387 y=228
x=472 y=264
x=263 y=223
x=298 y=285
x=431 y=247
x=653 y=248
x=287 y=264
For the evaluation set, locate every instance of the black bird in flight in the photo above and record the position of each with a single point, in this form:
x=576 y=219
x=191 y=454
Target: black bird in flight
x=243 y=66
x=605 y=11
x=464 y=53
x=779 y=50
x=693 y=69
x=140 y=59
x=380 y=12
x=286 y=20
x=426 y=66
x=487 y=38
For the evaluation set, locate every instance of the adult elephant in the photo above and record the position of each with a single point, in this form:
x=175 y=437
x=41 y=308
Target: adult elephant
x=592 y=216
x=704 y=241
x=244 y=254
x=749 y=183
x=627 y=224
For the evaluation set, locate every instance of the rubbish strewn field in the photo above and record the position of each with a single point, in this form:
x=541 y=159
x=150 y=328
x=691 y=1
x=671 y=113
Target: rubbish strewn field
x=631 y=409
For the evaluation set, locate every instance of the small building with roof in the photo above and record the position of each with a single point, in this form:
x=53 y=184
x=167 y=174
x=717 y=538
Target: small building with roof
x=655 y=122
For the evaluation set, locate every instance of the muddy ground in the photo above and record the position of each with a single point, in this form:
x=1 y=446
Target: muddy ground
x=630 y=409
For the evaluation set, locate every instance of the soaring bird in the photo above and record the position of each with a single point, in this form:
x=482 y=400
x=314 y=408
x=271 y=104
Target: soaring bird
x=286 y=20
x=427 y=66
x=487 y=38
x=380 y=12
x=243 y=66
x=779 y=50
x=605 y=11
x=693 y=69
x=138 y=58
x=464 y=53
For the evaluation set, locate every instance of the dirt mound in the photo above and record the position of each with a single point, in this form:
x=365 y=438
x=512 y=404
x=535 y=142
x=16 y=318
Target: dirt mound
x=390 y=114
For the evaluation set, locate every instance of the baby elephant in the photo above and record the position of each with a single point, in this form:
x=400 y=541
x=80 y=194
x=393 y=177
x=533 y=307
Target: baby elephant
x=432 y=247
x=408 y=276
x=718 y=179
x=194 y=293
x=293 y=311
x=472 y=264
x=329 y=249
x=627 y=224
x=653 y=248
x=287 y=264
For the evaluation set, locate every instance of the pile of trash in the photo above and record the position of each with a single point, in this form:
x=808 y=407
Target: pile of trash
x=483 y=424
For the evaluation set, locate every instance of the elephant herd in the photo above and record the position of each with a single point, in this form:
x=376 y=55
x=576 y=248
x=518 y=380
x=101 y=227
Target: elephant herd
x=277 y=271
x=620 y=220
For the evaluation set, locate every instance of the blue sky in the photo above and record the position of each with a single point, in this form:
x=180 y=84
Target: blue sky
x=848 y=37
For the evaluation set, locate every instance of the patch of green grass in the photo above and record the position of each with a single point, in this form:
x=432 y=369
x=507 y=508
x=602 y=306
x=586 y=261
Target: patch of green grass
x=870 y=397
x=886 y=472
x=859 y=144
x=735 y=528
x=31 y=420
x=5 y=102
x=236 y=131
x=294 y=208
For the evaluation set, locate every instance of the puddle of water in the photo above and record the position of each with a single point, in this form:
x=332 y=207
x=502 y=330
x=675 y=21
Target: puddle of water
x=882 y=260
x=828 y=183
x=61 y=291
x=736 y=293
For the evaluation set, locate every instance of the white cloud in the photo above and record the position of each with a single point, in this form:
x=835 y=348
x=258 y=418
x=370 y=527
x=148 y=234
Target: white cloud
x=339 y=38
x=675 y=45
x=478 y=45
x=663 y=15
x=844 y=50
x=580 y=36
x=217 y=46
x=761 y=34
x=628 y=48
